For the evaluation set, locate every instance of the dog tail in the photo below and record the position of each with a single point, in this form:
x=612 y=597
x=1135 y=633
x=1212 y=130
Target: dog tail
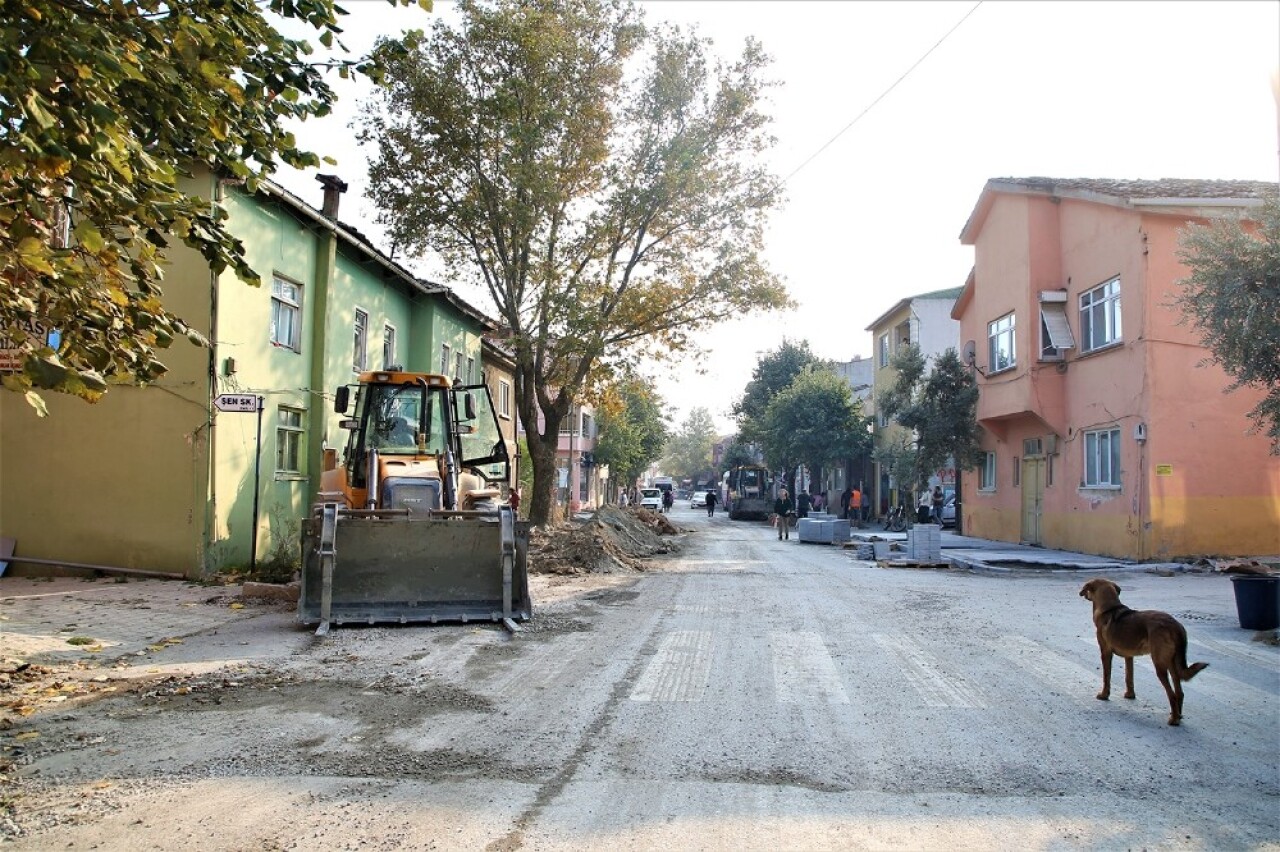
x=1186 y=672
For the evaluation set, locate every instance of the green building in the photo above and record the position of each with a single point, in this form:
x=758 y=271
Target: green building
x=158 y=478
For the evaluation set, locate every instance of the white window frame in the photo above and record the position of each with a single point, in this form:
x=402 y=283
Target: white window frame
x=286 y=301
x=884 y=349
x=471 y=370
x=457 y=366
x=987 y=476
x=1102 y=468
x=290 y=435
x=504 y=399
x=444 y=359
x=1002 y=330
x=388 y=345
x=1055 y=331
x=1100 y=324
x=360 y=341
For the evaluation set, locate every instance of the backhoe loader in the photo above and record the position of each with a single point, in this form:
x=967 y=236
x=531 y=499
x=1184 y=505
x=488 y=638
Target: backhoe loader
x=409 y=526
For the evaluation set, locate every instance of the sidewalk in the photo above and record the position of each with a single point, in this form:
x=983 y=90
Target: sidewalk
x=980 y=554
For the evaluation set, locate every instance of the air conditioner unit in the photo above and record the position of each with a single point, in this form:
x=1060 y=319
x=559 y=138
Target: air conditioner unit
x=1140 y=432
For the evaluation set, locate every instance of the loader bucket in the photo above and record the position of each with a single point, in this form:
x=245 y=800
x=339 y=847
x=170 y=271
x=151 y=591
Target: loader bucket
x=409 y=569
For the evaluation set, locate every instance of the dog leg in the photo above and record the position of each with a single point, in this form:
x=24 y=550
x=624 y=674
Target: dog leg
x=1106 y=677
x=1128 y=678
x=1173 y=692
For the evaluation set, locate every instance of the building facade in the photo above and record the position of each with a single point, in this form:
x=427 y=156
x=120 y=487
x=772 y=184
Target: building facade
x=1104 y=429
x=158 y=478
x=925 y=321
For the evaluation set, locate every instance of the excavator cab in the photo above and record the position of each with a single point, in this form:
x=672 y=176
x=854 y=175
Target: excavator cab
x=409 y=525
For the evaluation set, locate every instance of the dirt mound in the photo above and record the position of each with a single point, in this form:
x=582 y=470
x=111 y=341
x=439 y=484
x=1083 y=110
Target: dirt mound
x=612 y=541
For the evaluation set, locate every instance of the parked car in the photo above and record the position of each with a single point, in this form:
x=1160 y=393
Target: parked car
x=651 y=498
x=949 y=511
x=699 y=499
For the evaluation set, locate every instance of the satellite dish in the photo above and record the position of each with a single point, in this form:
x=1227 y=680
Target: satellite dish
x=970 y=353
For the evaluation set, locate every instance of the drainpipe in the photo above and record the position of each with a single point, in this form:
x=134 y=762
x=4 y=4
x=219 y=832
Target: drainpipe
x=326 y=262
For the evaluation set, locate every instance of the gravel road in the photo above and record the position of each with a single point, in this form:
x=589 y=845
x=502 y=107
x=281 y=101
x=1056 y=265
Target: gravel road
x=744 y=693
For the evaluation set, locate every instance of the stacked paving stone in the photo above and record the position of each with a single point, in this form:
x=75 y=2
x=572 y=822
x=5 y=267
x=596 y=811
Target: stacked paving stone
x=924 y=543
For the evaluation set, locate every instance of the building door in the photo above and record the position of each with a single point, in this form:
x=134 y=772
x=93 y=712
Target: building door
x=1033 y=470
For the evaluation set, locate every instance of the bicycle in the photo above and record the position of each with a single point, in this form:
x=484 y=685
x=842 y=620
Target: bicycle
x=896 y=520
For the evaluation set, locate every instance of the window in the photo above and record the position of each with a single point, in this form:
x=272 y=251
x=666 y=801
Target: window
x=1102 y=458
x=1100 y=316
x=289 y=440
x=588 y=428
x=360 y=346
x=504 y=398
x=444 y=359
x=457 y=367
x=988 y=479
x=471 y=370
x=884 y=420
x=1017 y=472
x=884 y=349
x=286 y=314
x=1000 y=344
x=388 y=346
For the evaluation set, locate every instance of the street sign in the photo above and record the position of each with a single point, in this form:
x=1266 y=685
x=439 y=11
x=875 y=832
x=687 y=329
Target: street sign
x=236 y=402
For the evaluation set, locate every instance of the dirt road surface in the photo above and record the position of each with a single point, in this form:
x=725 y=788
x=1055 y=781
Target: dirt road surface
x=743 y=693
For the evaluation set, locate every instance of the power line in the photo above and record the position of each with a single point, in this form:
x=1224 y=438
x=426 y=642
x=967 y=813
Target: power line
x=879 y=98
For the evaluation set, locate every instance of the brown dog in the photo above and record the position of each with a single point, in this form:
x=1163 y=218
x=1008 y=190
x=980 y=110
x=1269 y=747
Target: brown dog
x=1131 y=633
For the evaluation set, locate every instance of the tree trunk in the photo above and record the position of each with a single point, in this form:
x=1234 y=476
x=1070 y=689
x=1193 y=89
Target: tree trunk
x=543 y=454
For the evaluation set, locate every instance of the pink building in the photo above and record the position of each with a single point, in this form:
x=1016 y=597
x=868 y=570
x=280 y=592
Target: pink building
x=1104 y=433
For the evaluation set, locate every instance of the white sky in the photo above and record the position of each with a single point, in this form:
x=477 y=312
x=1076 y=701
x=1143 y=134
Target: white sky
x=1020 y=89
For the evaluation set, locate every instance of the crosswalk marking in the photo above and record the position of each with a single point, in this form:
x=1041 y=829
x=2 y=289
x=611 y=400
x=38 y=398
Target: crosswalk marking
x=1241 y=650
x=679 y=670
x=1044 y=664
x=803 y=671
x=937 y=687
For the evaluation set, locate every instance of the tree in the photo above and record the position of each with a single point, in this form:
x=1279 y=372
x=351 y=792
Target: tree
x=738 y=454
x=814 y=421
x=103 y=108
x=940 y=408
x=773 y=372
x=632 y=430
x=688 y=451
x=1231 y=299
x=602 y=180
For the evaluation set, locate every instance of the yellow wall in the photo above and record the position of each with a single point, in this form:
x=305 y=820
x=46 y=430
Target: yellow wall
x=122 y=482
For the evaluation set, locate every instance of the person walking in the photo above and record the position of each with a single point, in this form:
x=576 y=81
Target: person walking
x=711 y=504
x=866 y=506
x=937 y=501
x=852 y=505
x=844 y=502
x=803 y=502
x=783 y=508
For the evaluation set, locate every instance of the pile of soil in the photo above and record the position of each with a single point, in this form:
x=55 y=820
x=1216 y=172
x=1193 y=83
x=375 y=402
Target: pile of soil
x=614 y=540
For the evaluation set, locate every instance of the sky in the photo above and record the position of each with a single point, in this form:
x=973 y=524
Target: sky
x=891 y=116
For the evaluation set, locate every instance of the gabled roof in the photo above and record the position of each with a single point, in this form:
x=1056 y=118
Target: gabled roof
x=1137 y=194
x=948 y=295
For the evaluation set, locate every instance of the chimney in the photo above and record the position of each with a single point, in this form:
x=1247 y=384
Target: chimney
x=333 y=188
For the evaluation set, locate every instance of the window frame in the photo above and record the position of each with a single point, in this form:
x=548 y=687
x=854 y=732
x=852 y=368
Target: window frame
x=884 y=349
x=281 y=303
x=1103 y=300
x=360 y=341
x=999 y=328
x=1103 y=467
x=290 y=435
x=987 y=476
x=504 y=399
x=388 y=345
x=445 y=351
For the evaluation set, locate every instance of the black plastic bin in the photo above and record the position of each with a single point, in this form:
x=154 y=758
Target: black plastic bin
x=1257 y=601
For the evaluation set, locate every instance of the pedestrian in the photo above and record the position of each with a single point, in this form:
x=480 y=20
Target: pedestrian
x=866 y=507
x=783 y=509
x=937 y=501
x=711 y=504
x=819 y=500
x=622 y=498
x=803 y=502
x=844 y=502
x=668 y=500
x=513 y=500
x=853 y=504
